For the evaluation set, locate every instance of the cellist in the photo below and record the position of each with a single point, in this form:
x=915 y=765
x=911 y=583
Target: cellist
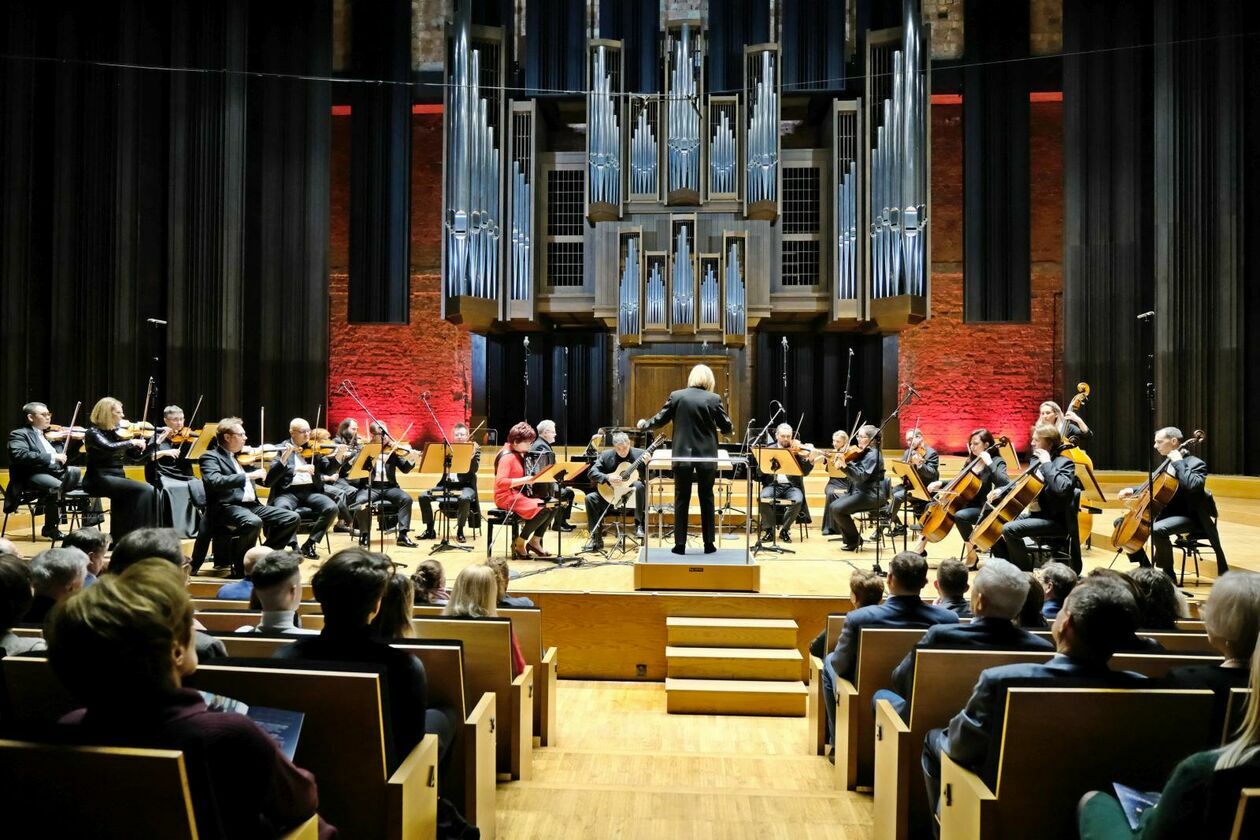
x=1191 y=507
x=992 y=471
x=1053 y=512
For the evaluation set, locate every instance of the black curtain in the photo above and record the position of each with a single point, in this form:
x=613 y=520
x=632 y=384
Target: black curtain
x=996 y=273
x=733 y=25
x=816 y=367
x=637 y=26
x=813 y=43
x=137 y=194
x=563 y=377
x=555 y=46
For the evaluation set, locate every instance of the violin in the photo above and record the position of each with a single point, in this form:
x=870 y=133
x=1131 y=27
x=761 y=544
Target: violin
x=184 y=435
x=322 y=447
x=1134 y=527
x=259 y=454
x=55 y=433
x=938 y=519
x=917 y=455
x=133 y=431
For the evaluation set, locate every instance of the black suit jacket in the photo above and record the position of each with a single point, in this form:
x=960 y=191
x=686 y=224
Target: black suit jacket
x=224 y=485
x=280 y=474
x=178 y=468
x=898 y=612
x=994 y=475
x=930 y=470
x=698 y=416
x=981 y=634
x=608 y=460
x=797 y=481
x=866 y=473
x=27 y=458
x=1057 y=500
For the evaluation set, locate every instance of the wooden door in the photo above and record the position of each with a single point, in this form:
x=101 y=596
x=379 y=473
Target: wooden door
x=652 y=378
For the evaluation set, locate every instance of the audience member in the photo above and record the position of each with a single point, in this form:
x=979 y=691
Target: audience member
x=349 y=587
x=277 y=579
x=393 y=619
x=1057 y=580
x=56 y=574
x=907 y=575
x=951 y=587
x=7 y=546
x=15 y=601
x=429 y=580
x=1157 y=599
x=1097 y=618
x=92 y=542
x=243 y=589
x=1201 y=797
x=997 y=597
x=1137 y=644
x=1030 y=617
x=123 y=647
x=865 y=589
x=500 y=568
x=475 y=595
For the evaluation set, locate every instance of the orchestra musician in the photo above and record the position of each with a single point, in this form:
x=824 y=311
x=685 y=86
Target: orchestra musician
x=295 y=481
x=546 y=439
x=836 y=485
x=133 y=504
x=866 y=473
x=698 y=415
x=603 y=470
x=776 y=486
x=170 y=472
x=338 y=464
x=384 y=487
x=993 y=473
x=1072 y=428
x=36 y=465
x=232 y=497
x=1191 y=507
x=511 y=481
x=462 y=485
x=926 y=462
x=1053 y=512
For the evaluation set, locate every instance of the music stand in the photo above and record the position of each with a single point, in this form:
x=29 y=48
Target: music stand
x=204 y=438
x=771 y=460
x=1091 y=492
x=907 y=472
x=359 y=471
x=446 y=459
x=558 y=473
x=836 y=468
x=1014 y=466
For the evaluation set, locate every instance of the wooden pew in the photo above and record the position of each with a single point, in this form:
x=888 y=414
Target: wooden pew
x=816 y=726
x=209 y=588
x=943 y=681
x=343 y=744
x=488 y=668
x=1247 y=820
x=1172 y=642
x=218 y=623
x=228 y=604
x=34 y=779
x=1037 y=789
x=1191 y=626
x=879 y=652
x=527 y=624
x=1235 y=708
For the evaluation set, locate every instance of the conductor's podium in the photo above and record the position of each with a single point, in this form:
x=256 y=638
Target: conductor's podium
x=725 y=570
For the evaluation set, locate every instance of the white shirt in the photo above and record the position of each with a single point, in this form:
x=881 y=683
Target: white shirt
x=46 y=446
x=378 y=466
x=250 y=495
x=299 y=478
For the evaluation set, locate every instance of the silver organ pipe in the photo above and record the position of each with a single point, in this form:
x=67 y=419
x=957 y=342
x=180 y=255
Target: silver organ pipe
x=628 y=311
x=846 y=234
x=763 y=135
x=722 y=157
x=656 y=296
x=710 y=297
x=522 y=235
x=605 y=133
x=643 y=156
x=684 y=311
x=734 y=292
x=683 y=149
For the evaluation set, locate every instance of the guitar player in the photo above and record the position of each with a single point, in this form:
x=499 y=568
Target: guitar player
x=606 y=472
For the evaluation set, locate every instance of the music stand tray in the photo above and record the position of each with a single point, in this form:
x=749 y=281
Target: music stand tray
x=774 y=460
x=357 y=470
x=909 y=473
x=204 y=439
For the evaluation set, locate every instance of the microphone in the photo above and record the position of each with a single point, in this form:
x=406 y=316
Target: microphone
x=784 y=342
x=157 y=322
x=1146 y=316
x=851 y=352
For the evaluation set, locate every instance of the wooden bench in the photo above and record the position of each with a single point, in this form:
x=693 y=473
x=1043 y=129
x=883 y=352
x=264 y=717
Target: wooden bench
x=1037 y=789
x=1247 y=820
x=1235 y=708
x=943 y=682
x=527 y=624
x=227 y=621
x=210 y=588
x=488 y=668
x=230 y=604
x=117 y=792
x=1172 y=642
x=816 y=726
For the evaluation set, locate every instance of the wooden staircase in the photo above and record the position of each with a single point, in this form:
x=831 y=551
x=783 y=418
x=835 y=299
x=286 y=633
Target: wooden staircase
x=733 y=666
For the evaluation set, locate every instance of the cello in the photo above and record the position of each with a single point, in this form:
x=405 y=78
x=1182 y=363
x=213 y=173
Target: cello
x=1134 y=528
x=1073 y=451
x=938 y=520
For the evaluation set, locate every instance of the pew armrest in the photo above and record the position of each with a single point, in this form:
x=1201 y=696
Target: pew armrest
x=411 y=794
x=846 y=734
x=523 y=715
x=545 y=698
x=815 y=715
x=479 y=756
x=964 y=800
x=894 y=783
x=308 y=830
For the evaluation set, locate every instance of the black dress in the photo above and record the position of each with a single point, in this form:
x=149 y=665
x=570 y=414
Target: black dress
x=133 y=504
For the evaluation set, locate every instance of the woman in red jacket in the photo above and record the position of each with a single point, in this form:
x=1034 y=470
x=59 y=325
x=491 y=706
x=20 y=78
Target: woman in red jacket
x=510 y=492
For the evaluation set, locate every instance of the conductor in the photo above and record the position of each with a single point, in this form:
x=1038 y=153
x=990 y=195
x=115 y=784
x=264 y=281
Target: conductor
x=698 y=416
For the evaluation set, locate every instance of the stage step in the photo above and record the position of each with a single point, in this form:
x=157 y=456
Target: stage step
x=735 y=697
x=733 y=663
x=759 y=633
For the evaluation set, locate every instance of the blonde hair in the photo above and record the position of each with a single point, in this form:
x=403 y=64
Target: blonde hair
x=102 y=415
x=841 y=433
x=1232 y=611
x=701 y=377
x=475 y=593
x=500 y=568
x=1047 y=434
x=1058 y=412
x=1244 y=747
x=115 y=637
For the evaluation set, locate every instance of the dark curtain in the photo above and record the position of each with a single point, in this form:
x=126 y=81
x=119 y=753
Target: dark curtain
x=637 y=26
x=733 y=25
x=996 y=279
x=555 y=46
x=813 y=44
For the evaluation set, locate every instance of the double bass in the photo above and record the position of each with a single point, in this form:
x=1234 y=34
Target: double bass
x=1134 y=528
x=1073 y=451
x=938 y=519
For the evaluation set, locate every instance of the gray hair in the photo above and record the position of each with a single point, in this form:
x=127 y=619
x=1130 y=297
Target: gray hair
x=171 y=411
x=701 y=376
x=33 y=408
x=545 y=426
x=1170 y=432
x=56 y=568
x=868 y=431
x=783 y=427
x=620 y=438
x=1232 y=611
x=1003 y=586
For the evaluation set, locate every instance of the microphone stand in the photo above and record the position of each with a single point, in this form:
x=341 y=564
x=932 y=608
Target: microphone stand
x=448 y=454
x=1149 y=319
x=882 y=493
x=347 y=388
x=761 y=436
x=848 y=379
x=784 y=344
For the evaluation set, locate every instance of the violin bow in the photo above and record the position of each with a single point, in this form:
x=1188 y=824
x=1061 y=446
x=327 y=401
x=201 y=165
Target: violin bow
x=65 y=444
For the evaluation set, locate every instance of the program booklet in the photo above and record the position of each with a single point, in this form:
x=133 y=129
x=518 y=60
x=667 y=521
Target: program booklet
x=1134 y=803
x=281 y=725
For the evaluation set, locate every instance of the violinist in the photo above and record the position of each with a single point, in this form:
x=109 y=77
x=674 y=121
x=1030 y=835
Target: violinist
x=836 y=485
x=232 y=497
x=37 y=466
x=926 y=462
x=462 y=485
x=546 y=438
x=992 y=472
x=295 y=481
x=1191 y=507
x=866 y=473
x=110 y=443
x=1053 y=512
x=169 y=472
x=384 y=487
x=337 y=465
x=791 y=488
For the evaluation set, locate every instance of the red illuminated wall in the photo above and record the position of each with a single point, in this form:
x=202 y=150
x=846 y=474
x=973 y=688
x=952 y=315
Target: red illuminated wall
x=991 y=375
x=391 y=365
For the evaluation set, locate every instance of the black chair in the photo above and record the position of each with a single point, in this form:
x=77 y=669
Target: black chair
x=449 y=508
x=229 y=549
x=504 y=519
x=1193 y=544
x=74 y=505
x=306 y=523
